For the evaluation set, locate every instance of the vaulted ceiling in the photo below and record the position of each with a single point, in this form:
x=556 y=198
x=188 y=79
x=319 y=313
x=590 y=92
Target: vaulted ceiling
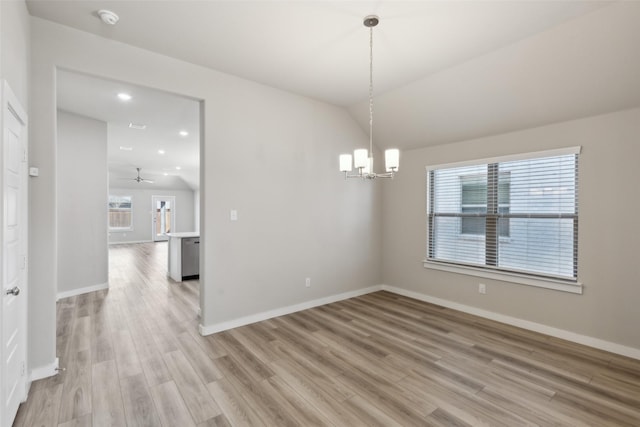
x=443 y=70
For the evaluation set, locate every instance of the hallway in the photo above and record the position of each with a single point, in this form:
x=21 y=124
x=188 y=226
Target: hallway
x=112 y=343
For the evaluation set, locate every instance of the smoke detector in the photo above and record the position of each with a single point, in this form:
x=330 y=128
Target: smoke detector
x=108 y=17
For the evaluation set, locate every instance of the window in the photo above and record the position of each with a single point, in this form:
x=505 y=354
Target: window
x=516 y=214
x=473 y=189
x=120 y=213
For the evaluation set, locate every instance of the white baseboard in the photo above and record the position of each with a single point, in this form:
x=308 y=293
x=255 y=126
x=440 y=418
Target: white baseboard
x=44 y=371
x=124 y=242
x=27 y=389
x=524 y=324
x=265 y=315
x=79 y=291
x=509 y=320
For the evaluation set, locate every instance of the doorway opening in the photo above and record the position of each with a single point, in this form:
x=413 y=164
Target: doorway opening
x=164 y=220
x=145 y=144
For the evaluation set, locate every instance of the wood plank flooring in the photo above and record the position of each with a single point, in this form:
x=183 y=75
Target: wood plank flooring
x=133 y=357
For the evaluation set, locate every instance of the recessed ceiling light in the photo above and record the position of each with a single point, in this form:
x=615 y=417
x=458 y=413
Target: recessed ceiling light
x=178 y=168
x=184 y=133
x=123 y=148
x=138 y=126
x=160 y=151
x=122 y=96
x=165 y=174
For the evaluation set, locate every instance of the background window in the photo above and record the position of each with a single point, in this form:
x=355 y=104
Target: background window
x=120 y=213
x=474 y=201
x=533 y=202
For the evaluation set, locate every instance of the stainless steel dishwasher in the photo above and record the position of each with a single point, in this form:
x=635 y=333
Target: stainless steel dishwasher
x=190 y=258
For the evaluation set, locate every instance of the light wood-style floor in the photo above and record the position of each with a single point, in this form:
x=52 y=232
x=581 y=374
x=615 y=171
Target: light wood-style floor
x=133 y=357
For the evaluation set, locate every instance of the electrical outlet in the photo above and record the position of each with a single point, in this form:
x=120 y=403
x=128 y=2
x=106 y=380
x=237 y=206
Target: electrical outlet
x=482 y=288
x=307 y=282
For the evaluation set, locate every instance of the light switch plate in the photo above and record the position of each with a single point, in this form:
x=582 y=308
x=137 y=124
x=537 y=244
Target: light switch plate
x=233 y=215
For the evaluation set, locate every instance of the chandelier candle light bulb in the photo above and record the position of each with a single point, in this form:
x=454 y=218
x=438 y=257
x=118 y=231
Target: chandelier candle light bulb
x=346 y=161
x=360 y=158
x=392 y=159
x=363 y=159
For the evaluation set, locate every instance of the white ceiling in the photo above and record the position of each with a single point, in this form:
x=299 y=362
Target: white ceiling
x=585 y=67
x=164 y=115
x=319 y=48
x=444 y=70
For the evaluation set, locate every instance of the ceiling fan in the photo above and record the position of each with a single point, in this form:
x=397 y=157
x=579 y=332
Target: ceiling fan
x=139 y=178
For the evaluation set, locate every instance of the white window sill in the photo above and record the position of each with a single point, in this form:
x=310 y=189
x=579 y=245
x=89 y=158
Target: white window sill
x=555 y=284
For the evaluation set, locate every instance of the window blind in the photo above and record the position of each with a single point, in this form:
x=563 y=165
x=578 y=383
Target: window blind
x=516 y=215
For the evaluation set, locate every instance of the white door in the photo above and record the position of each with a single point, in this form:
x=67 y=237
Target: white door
x=14 y=246
x=164 y=216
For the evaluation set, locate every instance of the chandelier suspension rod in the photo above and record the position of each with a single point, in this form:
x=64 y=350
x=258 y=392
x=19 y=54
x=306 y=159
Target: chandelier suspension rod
x=371 y=91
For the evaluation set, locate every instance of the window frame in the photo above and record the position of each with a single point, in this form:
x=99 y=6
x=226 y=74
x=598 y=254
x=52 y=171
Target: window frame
x=120 y=229
x=490 y=270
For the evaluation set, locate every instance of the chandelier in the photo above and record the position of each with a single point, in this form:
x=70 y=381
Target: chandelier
x=362 y=159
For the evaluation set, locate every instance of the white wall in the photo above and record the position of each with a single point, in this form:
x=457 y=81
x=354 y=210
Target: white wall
x=15 y=48
x=143 y=213
x=269 y=154
x=609 y=237
x=81 y=203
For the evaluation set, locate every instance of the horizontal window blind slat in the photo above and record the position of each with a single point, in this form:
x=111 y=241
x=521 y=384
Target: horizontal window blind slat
x=509 y=215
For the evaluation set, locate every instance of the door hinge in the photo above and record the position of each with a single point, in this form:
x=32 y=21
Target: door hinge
x=24 y=262
x=22 y=369
x=24 y=155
